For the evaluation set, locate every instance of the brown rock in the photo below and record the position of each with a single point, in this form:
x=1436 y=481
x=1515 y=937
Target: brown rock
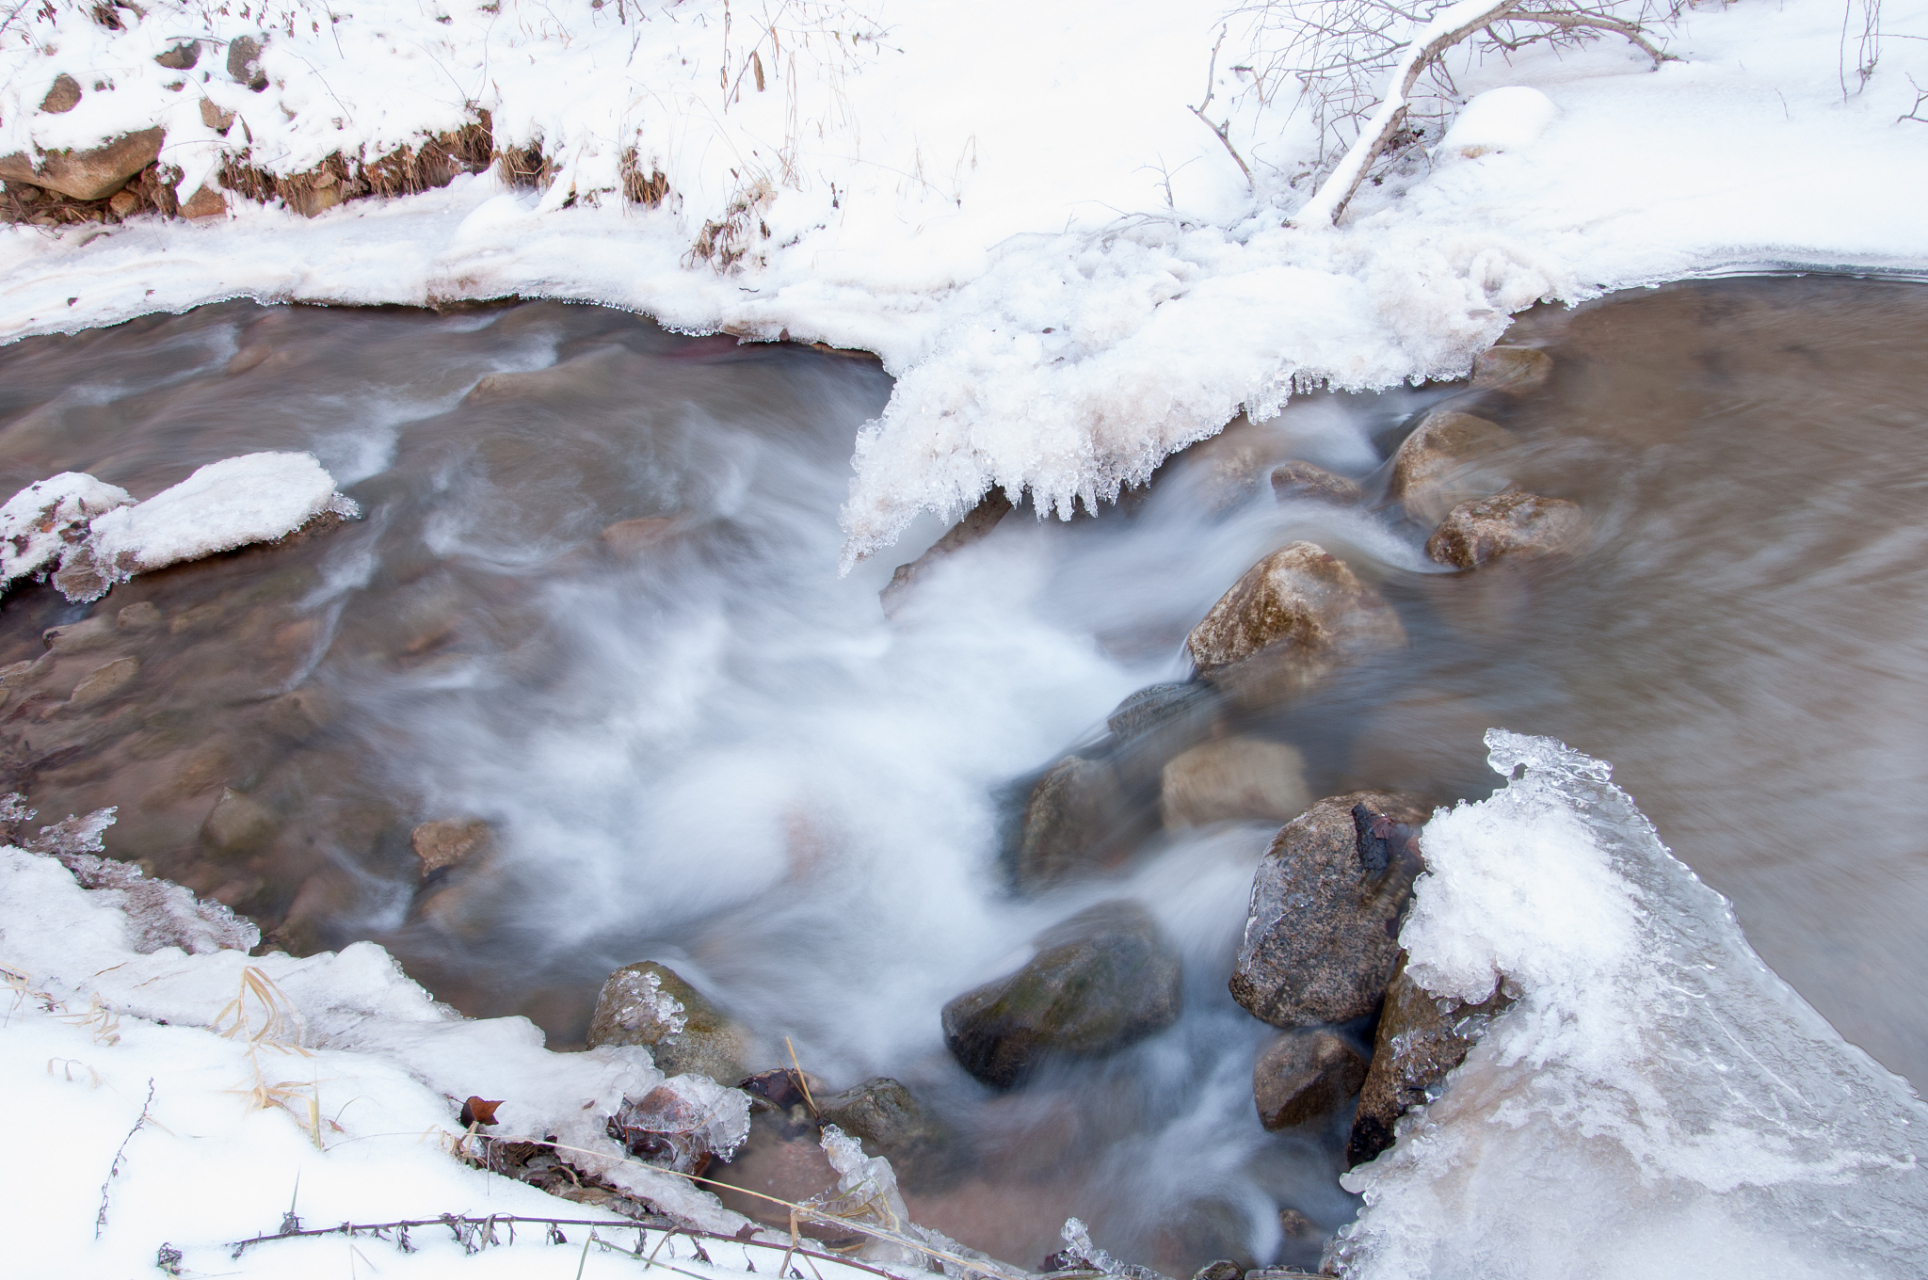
x=1303 y=1075
x=1515 y=370
x=444 y=843
x=181 y=57
x=141 y=616
x=1068 y=823
x=1304 y=480
x=1420 y=1039
x=216 y=118
x=244 y=63
x=1322 y=934
x=106 y=681
x=92 y=174
x=1102 y=980
x=78 y=637
x=204 y=203
x=646 y=1003
x=123 y=203
x=1232 y=780
x=888 y=1119
x=1302 y=612
x=1449 y=458
x=63 y=97
x=1518 y=526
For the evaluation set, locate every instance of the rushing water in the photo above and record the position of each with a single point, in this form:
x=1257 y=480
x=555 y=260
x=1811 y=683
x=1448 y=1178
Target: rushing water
x=697 y=745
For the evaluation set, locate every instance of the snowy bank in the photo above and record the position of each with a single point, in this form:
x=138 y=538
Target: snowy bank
x=1018 y=211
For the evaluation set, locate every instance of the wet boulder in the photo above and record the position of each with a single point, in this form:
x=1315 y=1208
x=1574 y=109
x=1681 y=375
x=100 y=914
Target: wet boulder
x=1234 y=780
x=647 y=1003
x=1305 y=1074
x=93 y=173
x=1322 y=933
x=1449 y=458
x=1514 y=370
x=1100 y=981
x=1512 y=525
x=1420 y=1039
x=1291 y=619
x=890 y=1121
x=237 y=827
x=1070 y=823
x=1307 y=482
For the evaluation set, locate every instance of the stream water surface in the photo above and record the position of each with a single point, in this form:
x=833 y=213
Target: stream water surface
x=594 y=604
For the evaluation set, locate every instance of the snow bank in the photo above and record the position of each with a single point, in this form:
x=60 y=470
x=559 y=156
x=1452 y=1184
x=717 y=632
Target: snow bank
x=1017 y=208
x=368 y=1069
x=99 y=536
x=1656 y=1101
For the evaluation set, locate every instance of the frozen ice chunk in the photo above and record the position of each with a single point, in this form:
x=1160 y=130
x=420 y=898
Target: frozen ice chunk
x=43 y=521
x=1656 y=1101
x=866 y=1192
x=1499 y=120
x=257 y=497
x=682 y=1120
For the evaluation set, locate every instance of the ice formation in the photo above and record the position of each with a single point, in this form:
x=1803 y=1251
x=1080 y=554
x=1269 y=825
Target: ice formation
x=99 y=535
x=1656 y=1101
x=44 y=521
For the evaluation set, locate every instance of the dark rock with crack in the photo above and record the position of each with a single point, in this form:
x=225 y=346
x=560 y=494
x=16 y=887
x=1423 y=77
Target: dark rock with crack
x=1322 y=934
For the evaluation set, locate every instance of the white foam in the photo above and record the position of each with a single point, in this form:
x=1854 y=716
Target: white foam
x=1656 y=1102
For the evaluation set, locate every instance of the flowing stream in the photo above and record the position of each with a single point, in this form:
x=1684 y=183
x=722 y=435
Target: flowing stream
x=594 y=604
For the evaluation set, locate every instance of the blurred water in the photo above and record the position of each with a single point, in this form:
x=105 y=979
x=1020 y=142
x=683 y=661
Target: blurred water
x=698 y=745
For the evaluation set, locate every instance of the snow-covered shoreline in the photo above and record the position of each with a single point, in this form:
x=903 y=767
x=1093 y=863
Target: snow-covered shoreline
x=1082 y=283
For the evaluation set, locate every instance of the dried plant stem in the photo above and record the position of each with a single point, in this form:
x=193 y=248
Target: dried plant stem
x=113 y=1170
x=1220 y=131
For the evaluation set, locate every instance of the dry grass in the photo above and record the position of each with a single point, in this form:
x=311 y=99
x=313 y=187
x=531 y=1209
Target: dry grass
x=263 y=1018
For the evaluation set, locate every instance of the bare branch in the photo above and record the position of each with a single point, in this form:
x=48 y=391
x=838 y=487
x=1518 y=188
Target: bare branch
x=1582 y=20
x=1221 y=131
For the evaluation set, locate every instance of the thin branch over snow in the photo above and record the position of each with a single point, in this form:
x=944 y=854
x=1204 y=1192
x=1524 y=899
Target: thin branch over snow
x=1359 y=66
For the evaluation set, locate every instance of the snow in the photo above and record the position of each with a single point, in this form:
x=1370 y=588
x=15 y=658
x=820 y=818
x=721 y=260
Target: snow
x=1655 y=1101
x=39 y=524
x=95 y=1014
x=1016 y=208
x=1504 y=119
x=257 y=497
x=101 y=536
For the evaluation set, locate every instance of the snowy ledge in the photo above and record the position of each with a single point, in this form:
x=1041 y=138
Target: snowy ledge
x=1065 y=270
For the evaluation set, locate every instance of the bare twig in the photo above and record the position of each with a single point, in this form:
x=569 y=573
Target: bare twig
x=113 y=1170
x=1914 y=112
x=1329 y=203
x=1220 y=132
x=1582 y=20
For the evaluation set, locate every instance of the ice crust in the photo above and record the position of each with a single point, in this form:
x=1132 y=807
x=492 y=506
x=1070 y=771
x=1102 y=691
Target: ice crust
x=1656 y=1101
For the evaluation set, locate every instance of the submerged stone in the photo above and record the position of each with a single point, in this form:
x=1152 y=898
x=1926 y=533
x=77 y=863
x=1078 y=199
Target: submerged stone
x=1449 y=458
x=1234 y=780
x=1322 y=934
x=1515 y=370
x=1068 y=823
x=1305 y=480
x=1102 y=980
x=1305 y=1074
